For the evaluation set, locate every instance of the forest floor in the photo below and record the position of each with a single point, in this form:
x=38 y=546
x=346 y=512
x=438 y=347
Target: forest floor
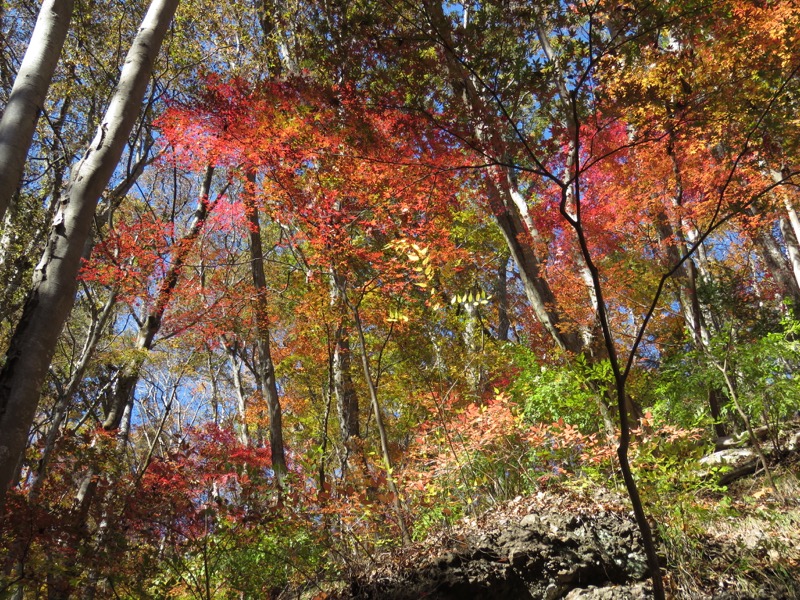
x=573 y=543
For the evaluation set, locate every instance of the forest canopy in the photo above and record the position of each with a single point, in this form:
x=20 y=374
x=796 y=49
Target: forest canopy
x=284 y=284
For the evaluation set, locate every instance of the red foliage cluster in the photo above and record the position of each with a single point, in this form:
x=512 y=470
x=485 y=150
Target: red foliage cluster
x=347 y=176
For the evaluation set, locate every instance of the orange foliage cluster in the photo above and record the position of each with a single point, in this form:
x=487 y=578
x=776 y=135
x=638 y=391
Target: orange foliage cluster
x=456 y=447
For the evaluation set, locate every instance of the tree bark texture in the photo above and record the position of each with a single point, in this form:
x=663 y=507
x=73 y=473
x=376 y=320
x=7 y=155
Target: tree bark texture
x=241 y=402
x=343 y=388
x=501 y=291
x=793 y=251
x=784 y=273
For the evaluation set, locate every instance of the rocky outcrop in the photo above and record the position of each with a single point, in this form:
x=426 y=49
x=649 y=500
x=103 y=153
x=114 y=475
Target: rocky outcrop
x=542 y=556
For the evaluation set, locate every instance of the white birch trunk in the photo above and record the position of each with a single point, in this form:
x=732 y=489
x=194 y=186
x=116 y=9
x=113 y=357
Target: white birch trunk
x=19 y=118
x=54 y=282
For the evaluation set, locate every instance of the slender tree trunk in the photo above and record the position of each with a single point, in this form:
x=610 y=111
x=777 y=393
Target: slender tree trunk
x=376 y=408
x=53 y=291
x=673 y=245
x=328 y=400
x=14 y=265
x=779 y=176
x=60 y=585
x=118 y=495
x=623 y=406
x=787 y=276
x=696 y=318
x=794 y=219
x=702 y=319
x=281 y=57
x=344 y=391
x=501 y=292
x=473 y=344
x=537 y=289
x=265 y=368
x=686 y=277
x=129 y=377
x=343 y=387
x=570 y=209
x=214 y=385
x=723 y=368
x=591 y=335
x=715 y=404
x=26 y=102
x=793 y=250
x=241 y=402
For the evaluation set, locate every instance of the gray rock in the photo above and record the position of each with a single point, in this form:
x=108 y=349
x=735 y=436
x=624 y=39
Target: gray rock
x=547 y=556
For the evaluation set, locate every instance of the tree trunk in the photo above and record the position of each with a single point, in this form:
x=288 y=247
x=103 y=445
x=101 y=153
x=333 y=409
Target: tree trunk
x=97 y=328
x=265 y=366
x=345 y=393
x=54 y=283
x=473 y=344
x=506 y=202
x=786 y=274
x=686 y=278
x=241 y=401
x=129 y=376
x=26 y=102
x=501 y=292
x=14 y=265
x=591 y=334
x=793 y=250
x=281 y=59
x=343 y=387
x=701 y=319
x=791 y=211
x=376 y=408
x=341 y=376
x=715 y=400
x=537 y=289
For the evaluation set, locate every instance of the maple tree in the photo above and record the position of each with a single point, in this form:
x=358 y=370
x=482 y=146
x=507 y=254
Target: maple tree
x=337 y=201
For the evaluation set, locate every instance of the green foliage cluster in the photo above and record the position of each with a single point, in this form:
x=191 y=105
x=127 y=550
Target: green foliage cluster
x=553 y=392
x=763 y=370
x=231 y=561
